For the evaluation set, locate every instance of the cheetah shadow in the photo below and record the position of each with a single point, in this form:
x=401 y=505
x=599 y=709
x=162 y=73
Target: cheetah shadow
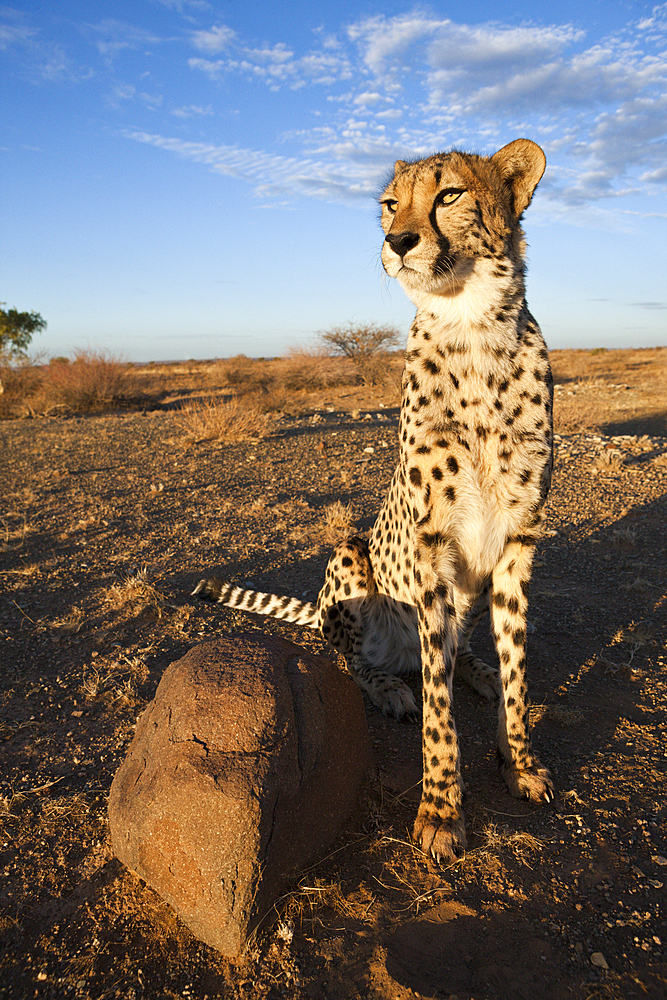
x=596 y=641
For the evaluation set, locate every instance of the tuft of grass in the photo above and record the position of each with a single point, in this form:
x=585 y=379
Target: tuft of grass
x=224 y=420
x=302 y=905
x=115 y=685
x=624 y=537
x=519 y=844
x=72 y=621
x=339 y=522
x=610 y=458
x=247 y=376
x=134 y=595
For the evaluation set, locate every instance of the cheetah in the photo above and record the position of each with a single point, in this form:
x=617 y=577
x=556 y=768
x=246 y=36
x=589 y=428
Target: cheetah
x=458 y=528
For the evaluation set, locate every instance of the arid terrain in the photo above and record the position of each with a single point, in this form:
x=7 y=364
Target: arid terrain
x=107 y=520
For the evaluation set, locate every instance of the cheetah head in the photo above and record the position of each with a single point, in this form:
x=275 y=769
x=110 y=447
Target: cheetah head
x=454 y=214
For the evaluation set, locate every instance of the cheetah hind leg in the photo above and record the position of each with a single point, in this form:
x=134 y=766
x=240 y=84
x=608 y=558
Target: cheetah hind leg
x=387 y=692
x=479 y=675
x=365 y=628
x=371 y=641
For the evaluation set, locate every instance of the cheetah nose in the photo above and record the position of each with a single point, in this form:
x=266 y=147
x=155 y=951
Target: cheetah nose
x=400 y=243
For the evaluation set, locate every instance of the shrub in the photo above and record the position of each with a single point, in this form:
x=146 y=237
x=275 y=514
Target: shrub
x=224 y=420
x=246 y=376
x=89 y=381
x=19 y=380
x=312 y=369
x=367 y=347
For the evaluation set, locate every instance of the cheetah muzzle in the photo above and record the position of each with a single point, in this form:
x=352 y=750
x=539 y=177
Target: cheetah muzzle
x=458 y=528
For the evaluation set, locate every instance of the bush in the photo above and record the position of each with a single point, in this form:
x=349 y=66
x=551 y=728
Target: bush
x=246 y=375
x=89 y=381
x=224 y=420
x=312 y=369
x=19 y=380
x=366 y=346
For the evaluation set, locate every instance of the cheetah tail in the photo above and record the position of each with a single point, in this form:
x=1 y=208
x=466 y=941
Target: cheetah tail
x=286 y=608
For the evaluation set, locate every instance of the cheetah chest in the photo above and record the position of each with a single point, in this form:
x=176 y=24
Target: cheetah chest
x=462 y=499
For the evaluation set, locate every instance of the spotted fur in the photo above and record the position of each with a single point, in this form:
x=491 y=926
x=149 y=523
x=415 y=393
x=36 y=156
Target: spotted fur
x=459 y=525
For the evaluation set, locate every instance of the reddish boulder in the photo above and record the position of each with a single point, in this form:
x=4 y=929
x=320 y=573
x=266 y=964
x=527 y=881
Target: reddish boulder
x=243 y=769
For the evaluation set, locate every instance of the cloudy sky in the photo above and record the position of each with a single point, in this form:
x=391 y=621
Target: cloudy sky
x=183 y=178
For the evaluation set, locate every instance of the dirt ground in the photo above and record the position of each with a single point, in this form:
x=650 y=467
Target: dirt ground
x=106 y=523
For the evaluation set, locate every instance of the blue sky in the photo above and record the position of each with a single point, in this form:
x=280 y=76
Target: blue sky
x=185 y=179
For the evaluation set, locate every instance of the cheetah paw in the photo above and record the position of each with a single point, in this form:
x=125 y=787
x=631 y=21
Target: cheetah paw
x=444 y=837
x=393 y=697
x=534 y=782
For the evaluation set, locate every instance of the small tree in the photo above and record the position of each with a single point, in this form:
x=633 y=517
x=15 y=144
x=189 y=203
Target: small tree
x=17 y=330
x=366 y=346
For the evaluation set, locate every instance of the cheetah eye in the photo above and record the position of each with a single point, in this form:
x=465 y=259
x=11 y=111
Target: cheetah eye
x=390 y=204
x=449 y=196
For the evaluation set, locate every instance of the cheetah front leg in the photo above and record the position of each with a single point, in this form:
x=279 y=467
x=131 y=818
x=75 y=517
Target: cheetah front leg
x=524 y=774
x=440 y=824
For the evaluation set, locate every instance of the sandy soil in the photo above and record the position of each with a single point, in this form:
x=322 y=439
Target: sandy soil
x=106 y=522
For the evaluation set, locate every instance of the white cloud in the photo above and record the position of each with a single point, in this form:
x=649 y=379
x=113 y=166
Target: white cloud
x=14 y=34
x=381 y=41
x=36 y=57
x=120 y=92
x=183 y=5
x=334 y=172
x=275 y=64
x=213 y=70
x=192 y=111
x=414 y=84
x=115 y=36
x=216 y=39
x=609 y=97
x=368 y=97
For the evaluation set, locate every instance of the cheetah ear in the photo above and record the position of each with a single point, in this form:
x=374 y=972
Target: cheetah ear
x=521 y=164
x=398 y=166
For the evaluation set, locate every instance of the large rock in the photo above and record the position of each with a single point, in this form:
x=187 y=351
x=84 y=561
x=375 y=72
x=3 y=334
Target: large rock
x=243 y=769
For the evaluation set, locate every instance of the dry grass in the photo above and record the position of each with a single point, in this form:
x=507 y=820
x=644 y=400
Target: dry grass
x=624 y=537
x=519 y=844
x=115 y=684
x=338 y=522
x=609 y=459
x=224 y=420
x=91 y=380
x=71 y=622
x=247 y=376
x=135 y=595
x=313 y=895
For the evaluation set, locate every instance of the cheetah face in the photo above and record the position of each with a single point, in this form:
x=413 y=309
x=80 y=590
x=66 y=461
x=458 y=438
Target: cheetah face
x=446 y=215
x=425 y=215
